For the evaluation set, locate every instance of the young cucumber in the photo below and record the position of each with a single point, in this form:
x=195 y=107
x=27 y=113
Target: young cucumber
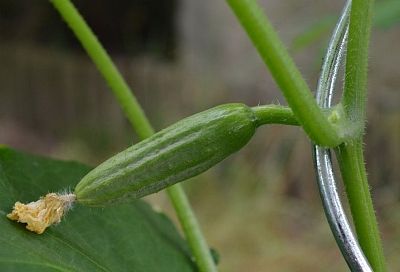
x=183 y=150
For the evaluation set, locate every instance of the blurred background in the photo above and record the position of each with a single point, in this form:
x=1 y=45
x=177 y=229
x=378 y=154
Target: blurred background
x=260 y=208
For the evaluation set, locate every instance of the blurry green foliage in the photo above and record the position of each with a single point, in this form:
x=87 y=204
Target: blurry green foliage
x=387 y=14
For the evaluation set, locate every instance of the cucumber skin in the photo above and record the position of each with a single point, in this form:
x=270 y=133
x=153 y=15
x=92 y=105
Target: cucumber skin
x=178 y=152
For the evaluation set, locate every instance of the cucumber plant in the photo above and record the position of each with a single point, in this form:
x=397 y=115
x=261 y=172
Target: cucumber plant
x=196 y=143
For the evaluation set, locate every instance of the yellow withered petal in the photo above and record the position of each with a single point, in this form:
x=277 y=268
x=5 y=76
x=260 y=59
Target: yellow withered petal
x=41 y=214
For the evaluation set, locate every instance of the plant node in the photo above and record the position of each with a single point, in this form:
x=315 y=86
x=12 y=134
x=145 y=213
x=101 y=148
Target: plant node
x=334 y=117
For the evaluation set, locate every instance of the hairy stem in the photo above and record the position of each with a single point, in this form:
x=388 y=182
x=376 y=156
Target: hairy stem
x=285 y=73
x=274 y=114
x=350 y=155
x=105 y=65
x=354 y=95
x=140 y=123
x=189 y=223
x=351 y=162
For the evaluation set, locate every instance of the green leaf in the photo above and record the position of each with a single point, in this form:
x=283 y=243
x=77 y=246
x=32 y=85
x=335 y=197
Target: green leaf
x=128 y=237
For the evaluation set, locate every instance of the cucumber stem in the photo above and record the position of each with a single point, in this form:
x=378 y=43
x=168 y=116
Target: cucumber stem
x=285 y=72
x=274 y=114
x=352 y=167
x=137 y=118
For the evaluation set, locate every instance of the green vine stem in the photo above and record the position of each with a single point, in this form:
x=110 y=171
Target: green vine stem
x=354 y=95
x=189 y=224
x=352 y=167
x=285 y=73
x=106 y=67
x=274 y=114
x=142 y=126
x=350 y=154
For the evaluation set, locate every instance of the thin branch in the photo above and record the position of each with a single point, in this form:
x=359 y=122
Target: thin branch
x=140 y=123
